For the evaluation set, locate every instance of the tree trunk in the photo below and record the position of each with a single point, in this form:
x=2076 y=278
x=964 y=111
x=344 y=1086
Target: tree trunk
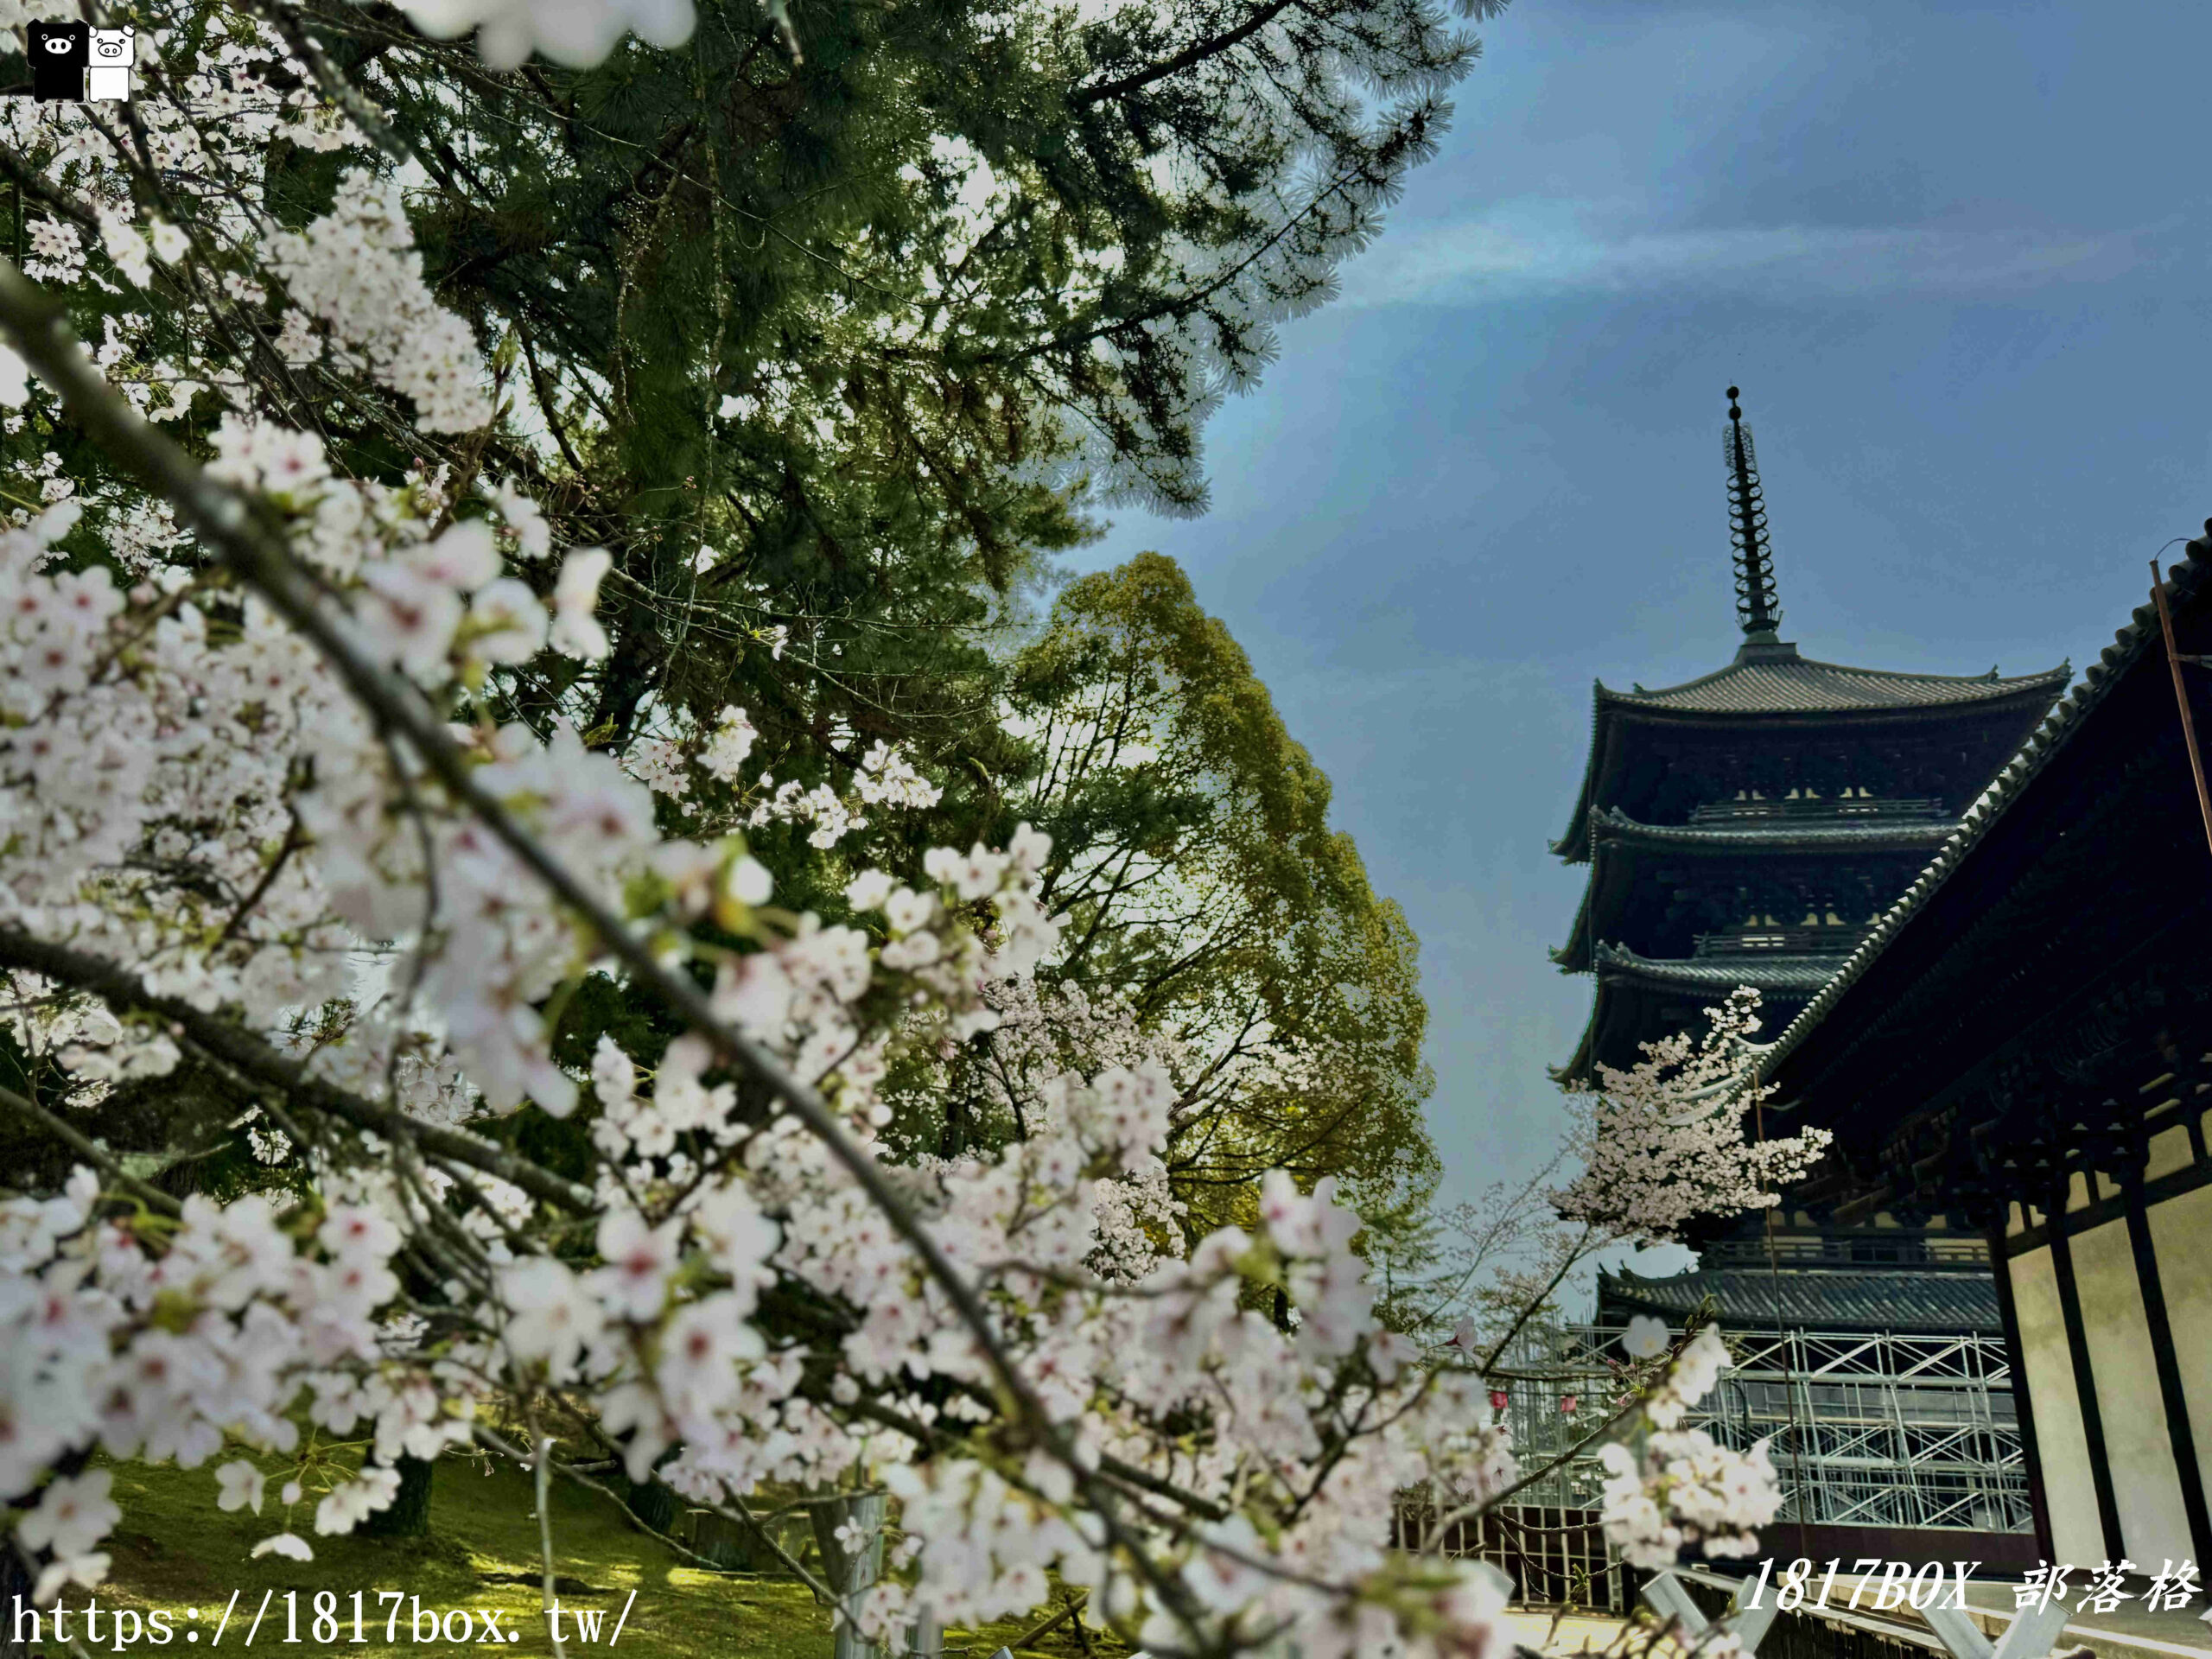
x=15 y=1609
x=655 y=1503
x=851 y=1572
x=409 y=1514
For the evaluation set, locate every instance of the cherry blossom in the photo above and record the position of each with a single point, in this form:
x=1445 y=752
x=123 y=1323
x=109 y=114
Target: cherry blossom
x=575 y=32
x=355 y=270
x=72 y=1514
x=269 y=813
x=575 y=633
x=1663 y=1142
x=1645 y=1338
x=1668 y=1487
x=241 y=1485
x=727 y=749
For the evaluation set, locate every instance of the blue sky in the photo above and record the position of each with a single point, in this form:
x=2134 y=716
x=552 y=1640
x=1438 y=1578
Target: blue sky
x=1956 y=256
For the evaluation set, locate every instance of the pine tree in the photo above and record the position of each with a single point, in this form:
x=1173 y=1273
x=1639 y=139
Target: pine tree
x=840 y=331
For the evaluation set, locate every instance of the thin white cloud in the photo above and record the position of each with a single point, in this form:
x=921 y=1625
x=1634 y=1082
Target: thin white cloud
x=1555 y=249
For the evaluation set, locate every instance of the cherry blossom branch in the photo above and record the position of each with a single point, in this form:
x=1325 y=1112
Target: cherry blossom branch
x=1612 y=1429
x=342 y=91
x=743 y=1515
x=254 y=551
x=569 y=1472
x=1109 y=1466
x=1029 y=1638
x=294 y=837
x=1529 y=1311
x=257 y=1060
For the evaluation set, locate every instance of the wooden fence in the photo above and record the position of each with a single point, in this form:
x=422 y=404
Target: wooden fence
x=1555 y=1557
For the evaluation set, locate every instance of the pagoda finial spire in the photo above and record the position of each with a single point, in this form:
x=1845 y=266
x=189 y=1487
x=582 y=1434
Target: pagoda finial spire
x=1757 y=609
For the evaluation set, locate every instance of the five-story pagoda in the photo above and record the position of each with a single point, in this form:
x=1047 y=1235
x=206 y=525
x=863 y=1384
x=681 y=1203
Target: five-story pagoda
x=1747 y=827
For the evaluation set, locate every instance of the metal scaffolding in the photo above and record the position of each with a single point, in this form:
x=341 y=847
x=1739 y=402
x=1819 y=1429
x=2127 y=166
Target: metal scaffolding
x=1866 y=1430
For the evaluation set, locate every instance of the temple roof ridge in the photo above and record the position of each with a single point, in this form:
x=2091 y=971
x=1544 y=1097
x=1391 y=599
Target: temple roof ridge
x=1786 y=978
x=1861 y=1297
x=1615 y=836
x=1766 y=680
x=1776 y=679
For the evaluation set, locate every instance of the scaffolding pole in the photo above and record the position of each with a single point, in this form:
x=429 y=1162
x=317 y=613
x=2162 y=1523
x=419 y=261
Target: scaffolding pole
x=1888 y=1430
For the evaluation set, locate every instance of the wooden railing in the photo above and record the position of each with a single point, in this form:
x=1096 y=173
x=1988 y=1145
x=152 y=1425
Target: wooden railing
x=1782 y=941
x=1851 y=809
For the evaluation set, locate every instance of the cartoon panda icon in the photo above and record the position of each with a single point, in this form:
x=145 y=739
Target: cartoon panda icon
x=114 y=50
x=60 y=54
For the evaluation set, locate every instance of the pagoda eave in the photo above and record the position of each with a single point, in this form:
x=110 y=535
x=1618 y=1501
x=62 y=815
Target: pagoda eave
x=1623 y=850
x=1629 y=985
x=1883 y=701
x=1771 y=837
x=1789 y=975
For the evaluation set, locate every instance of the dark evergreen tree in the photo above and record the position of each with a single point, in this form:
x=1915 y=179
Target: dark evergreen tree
x=832 y=322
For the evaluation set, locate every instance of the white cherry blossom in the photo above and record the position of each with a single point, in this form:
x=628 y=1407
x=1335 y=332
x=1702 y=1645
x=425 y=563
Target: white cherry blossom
x=241 y=1483
x=72 y=1514
x=575 y=631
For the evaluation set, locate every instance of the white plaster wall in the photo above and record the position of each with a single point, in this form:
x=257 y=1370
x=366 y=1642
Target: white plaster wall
x=2169 y=1150
x=2061 y=1443
x=2181 y=1231
x=2151 y=1520
x=2079 y=1194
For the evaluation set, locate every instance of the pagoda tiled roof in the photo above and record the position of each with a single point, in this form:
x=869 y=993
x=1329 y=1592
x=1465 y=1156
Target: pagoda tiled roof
x=1776 y=680
x=1609 y=824
x=2141 y=634
x=1785 y=981
x=1773 y=682
x=1914 y=1299
x=1786 y=974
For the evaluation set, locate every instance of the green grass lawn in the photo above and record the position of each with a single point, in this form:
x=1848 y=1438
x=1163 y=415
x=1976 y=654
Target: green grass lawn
x=175 y=1551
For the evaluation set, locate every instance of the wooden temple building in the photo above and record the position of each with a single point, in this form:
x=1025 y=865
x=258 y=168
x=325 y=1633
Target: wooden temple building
x=2023 y=1046
x=1753 y=827
x=1747 y=827
x=1980 y=913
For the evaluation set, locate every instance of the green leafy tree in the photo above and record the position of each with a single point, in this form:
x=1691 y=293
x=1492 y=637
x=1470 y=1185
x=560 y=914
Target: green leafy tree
x=1211 y=907
x=831 y=324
